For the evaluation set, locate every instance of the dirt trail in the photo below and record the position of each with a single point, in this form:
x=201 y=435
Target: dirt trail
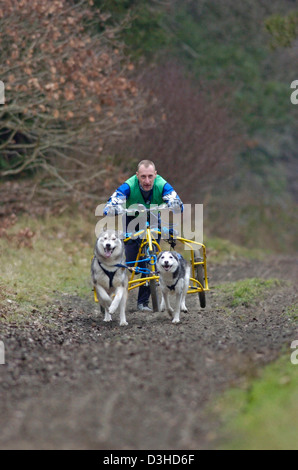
x=73 y=382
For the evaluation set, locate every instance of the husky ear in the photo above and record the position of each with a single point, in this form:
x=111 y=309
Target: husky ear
x=159 y=255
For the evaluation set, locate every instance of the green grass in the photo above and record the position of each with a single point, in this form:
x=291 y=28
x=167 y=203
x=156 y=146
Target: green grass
x=57 y=262
x=246 y=292
x=292 y=312
x=263 y=416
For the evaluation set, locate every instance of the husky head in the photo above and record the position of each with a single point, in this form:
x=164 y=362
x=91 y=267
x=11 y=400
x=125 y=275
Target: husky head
x=109 y=245
x=167 y=261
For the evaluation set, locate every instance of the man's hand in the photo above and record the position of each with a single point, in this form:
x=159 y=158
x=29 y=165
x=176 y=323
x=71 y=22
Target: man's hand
x=113 y=210
x=174 y=202
x=175 y=206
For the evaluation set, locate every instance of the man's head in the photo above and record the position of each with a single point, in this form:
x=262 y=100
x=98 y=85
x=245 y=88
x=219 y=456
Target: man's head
x=146 y=174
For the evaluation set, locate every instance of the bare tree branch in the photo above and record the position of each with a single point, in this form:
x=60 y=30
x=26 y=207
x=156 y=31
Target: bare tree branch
x=67 y=90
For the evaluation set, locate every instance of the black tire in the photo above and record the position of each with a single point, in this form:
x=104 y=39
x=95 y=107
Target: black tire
x=154 y=295
x=200 y=276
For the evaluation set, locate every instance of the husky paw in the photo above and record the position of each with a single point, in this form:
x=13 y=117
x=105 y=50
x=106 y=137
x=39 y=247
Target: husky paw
x=107 y=317
x=170 y=313
x=123 y=323
x=184 y=308
x=176 y=320
x=112 y=310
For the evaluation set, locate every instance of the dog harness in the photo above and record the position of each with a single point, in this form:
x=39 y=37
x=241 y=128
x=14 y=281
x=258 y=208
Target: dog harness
x=111 y=274
x=172 y=287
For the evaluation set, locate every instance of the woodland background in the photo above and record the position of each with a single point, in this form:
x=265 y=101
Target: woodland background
x=200 y=87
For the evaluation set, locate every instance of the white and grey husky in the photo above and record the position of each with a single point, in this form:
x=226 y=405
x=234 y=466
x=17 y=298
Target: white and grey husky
x=174 y=274
x=109 y=274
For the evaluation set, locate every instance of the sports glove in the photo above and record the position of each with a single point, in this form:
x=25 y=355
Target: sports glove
x=113 y=210
x=174 y=202
x=175 y=205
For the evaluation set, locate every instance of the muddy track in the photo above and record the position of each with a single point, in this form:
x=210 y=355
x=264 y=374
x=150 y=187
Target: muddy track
x=73 y=382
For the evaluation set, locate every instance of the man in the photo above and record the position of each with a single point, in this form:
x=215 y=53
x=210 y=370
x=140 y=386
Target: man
x=145 y=187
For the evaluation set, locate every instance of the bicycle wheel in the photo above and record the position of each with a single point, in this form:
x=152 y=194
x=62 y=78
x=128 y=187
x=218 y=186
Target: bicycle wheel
x=200 y=276
x=153 y=288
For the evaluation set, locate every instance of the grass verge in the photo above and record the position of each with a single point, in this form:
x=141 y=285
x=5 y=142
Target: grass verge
x=262 y=416
x=246 y=292
x=56 y=259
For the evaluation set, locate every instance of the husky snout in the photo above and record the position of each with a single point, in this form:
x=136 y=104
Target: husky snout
x=108 y=249
x=167 y=265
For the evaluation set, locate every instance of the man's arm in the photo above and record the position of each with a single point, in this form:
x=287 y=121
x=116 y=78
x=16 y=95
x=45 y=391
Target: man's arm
x=117 y=200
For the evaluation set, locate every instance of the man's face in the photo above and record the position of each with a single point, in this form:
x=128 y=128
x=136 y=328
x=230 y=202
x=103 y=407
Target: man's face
x=146 y=177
